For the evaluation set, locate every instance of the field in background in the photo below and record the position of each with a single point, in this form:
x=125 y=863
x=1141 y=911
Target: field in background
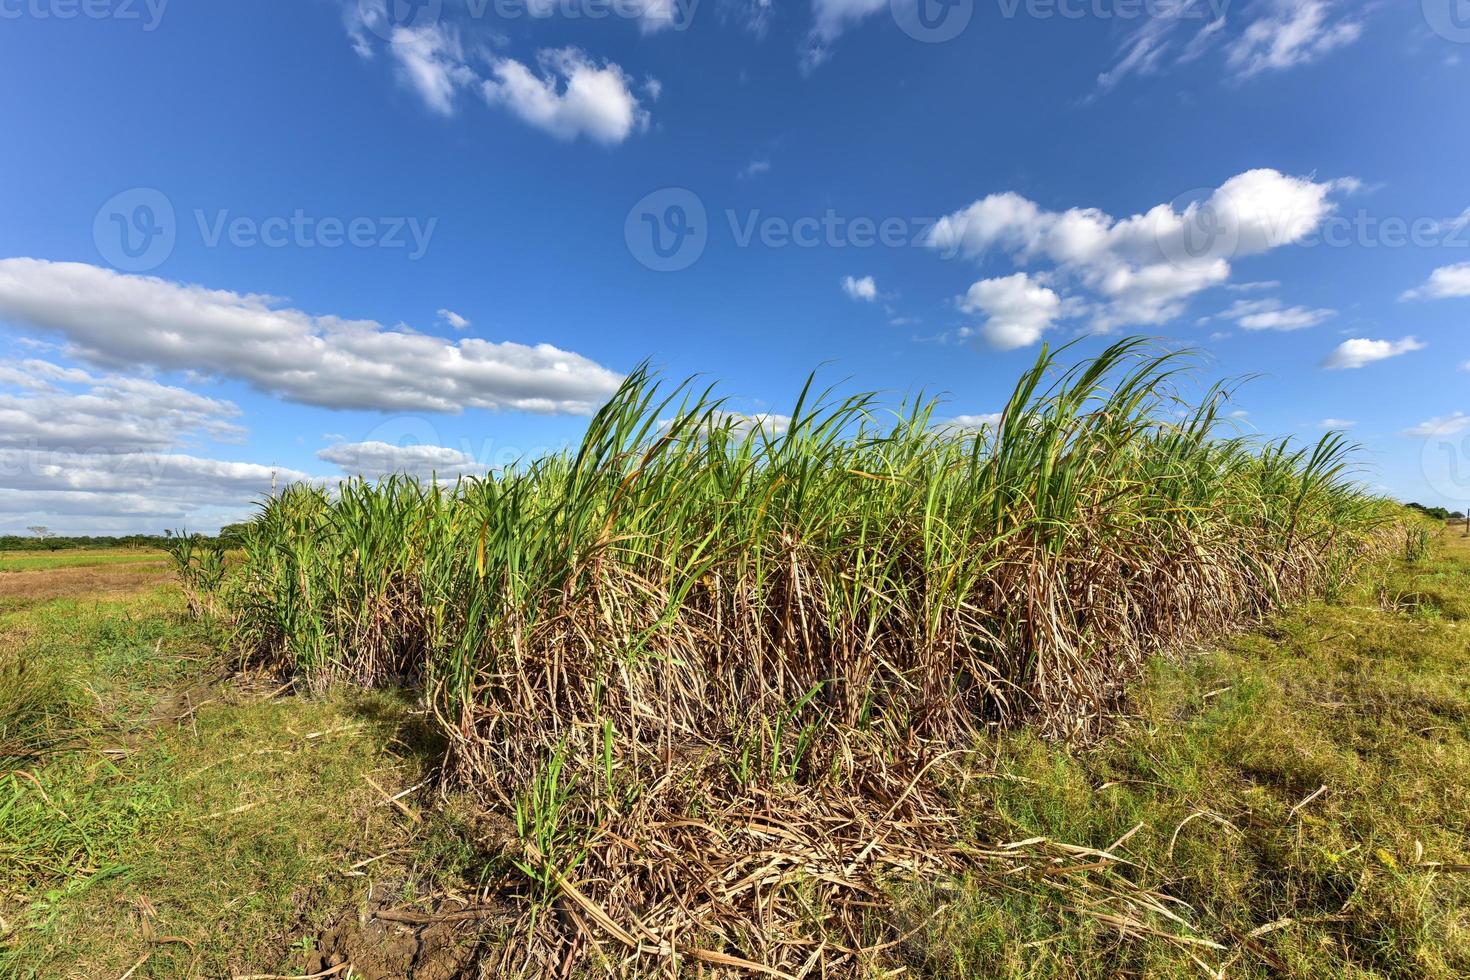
x=40 y=560
x=1300 y=792
x=30 y=578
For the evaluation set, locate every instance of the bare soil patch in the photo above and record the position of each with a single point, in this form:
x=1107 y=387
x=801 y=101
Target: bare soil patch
x=104 y=581
x=385 y=941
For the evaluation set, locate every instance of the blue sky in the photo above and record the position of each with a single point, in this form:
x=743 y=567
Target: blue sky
x=324 y=238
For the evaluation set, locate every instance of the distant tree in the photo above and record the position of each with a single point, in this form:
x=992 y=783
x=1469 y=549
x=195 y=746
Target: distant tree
x=41 y=531
x=233 y=535
x=1438 y=513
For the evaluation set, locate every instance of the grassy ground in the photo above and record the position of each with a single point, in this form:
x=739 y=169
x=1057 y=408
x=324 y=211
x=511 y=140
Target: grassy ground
x=1304 y=791
x=27 y=561
x=188 y=826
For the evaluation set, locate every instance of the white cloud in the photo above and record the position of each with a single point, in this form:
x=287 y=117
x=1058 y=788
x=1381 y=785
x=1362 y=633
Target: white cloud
x=1295 y=32
x=1270 y=314
x=1277 y=35
x=1144 y=268
x=830 y=18
x=1017 y=310
x=1360 y=352
x=572 y=96
x=378 y=459
x=966 y=424
x=1338 y=425
x=754 y=168
x=97 y=453
x=1293 y=318
x=454 y=319
x=430 y=61
x=753 y=15
x=118 y=319
x=1252 y=287
x=1444 y=425
x=117 y=492
x=741 y=423
x=1446 y=282
x=112 y=414
x=659 y=15
x=864 y=289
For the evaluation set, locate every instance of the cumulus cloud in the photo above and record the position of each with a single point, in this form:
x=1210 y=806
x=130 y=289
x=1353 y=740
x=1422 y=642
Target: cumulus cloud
x=1443 y=425
x=864 y=289
x=117 y=492
x=1446 y=282
x=94 y=453
x=1271 y=36
x=375 y=460
x=968 y=424
x=1360 y=352
x=109 y=414
x=1144 y=268
x=1017 y=310
x=571 y=96
x=116 y=319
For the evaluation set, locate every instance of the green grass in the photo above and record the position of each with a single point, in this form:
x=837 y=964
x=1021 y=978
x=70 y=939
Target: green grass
x=1369 y=698
x=42 y=560
x=230 y=827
